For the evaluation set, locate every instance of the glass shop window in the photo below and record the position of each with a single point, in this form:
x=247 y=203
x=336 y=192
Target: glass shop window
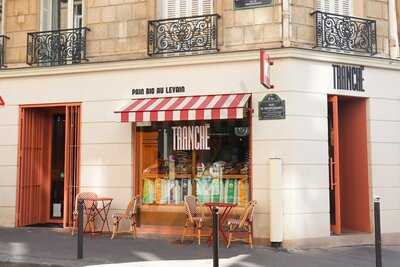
x=207 y=159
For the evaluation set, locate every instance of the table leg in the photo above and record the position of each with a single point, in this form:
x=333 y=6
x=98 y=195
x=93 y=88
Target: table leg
x=105 y=209
x=222 y=222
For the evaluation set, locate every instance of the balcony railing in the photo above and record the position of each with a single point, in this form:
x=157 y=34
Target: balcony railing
x=344 y=33
x=3 y=39
x=57 y=47
x=182 y=35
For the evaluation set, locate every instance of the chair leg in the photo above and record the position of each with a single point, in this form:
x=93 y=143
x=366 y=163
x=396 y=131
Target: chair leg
x=115 y=228
x=133 y=227
x=199 y=235
x=134 y=231
x=251 y=239
x=229 y=240
x=73 y=227
x=184 y=232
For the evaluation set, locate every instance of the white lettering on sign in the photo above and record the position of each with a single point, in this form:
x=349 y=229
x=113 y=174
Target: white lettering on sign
x=191 y=137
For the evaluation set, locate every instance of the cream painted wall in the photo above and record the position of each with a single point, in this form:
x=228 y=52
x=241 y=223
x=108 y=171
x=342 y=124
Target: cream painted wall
x=300 y=140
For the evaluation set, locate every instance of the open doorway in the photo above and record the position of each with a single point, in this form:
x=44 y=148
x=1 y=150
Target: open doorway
x=48 y=166
x=348 y=165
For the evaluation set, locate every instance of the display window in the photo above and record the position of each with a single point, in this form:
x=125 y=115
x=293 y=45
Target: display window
x=207 y=159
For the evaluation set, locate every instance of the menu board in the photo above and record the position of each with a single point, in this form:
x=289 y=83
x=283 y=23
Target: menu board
x=251 y=3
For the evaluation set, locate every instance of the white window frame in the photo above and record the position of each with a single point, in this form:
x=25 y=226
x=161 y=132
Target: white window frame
x=2 y=24
x=70 y=13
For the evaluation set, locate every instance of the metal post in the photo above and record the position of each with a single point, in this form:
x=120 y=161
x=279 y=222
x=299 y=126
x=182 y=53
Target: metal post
x=80 y=229
x=215 y=237
x=378 y=240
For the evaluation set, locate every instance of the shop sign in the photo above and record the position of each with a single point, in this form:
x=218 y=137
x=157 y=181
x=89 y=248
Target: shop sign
x=193 y=137
x=158 y=90
x=348 y=77
x=2 y=103
x=272 y=107
x=265 y=63
x=251 y=3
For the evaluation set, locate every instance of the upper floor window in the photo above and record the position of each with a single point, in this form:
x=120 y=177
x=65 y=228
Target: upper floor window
x=184 y=8
x=1 y=16
x=340 y=7
x=60 y=14
x=398 y=16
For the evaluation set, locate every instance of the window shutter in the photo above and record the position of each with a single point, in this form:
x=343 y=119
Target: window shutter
x=185 y=8
x=46 y=15
x=340 y=7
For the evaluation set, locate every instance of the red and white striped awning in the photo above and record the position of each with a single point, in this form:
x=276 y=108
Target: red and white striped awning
x=208 y=107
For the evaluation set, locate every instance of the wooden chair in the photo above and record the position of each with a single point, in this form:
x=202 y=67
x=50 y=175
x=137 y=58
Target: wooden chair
x=194 y=217
x=88 y=205
x=129 y=214
x=243 y=225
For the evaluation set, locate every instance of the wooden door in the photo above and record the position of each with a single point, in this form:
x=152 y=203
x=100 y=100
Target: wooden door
x=33 y=167
x=334 y=165
x=72 y=160
x=146 y=156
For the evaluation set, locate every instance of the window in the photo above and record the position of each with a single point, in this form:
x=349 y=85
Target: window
x=55 y=14
x=208 y=159
x=341 y=7
x=184 y=8
x=398 y=16
x=1 y=16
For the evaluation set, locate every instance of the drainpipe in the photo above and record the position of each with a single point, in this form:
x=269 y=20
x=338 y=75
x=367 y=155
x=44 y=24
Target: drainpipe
x=286 y=23
x=393 y=33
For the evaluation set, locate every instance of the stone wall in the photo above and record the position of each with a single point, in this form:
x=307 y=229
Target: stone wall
x=250 y=28
x=21 y=17
x=118 y=28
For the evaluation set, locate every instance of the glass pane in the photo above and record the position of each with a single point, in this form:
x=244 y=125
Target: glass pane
x=208 y=159
x=63 y=11
x=77 y=13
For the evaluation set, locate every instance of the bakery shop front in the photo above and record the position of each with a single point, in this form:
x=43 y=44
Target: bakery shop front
x=189 y=145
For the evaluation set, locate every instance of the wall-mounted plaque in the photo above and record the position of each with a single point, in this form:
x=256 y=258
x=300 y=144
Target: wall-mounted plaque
x=272 y=107
x=251 y=3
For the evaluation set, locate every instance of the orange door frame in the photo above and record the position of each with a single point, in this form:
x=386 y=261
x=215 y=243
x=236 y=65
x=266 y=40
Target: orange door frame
x=29 y=204
x=334 y=167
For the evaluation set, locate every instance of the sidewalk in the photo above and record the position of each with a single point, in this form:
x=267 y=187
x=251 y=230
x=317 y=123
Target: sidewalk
x=46 y=247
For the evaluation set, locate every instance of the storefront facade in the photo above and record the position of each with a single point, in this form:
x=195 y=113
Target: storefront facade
x=216 y=158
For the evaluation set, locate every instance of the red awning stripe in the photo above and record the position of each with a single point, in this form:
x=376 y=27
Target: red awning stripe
x=211 y=107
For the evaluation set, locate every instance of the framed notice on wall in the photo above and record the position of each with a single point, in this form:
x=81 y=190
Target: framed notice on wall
x=239 y=4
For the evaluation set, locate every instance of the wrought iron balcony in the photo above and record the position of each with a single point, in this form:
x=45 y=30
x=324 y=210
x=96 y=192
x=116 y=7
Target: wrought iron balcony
x=57 y=47
x=3 y=39
x=344 y=33
x=182 y=35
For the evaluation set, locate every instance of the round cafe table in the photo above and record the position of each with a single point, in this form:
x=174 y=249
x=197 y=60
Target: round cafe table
x=224 y=210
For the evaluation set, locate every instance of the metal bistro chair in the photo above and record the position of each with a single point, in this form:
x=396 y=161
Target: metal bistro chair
x=129 y=214
x=194 y=217
x=88 y=205
x=243 y=225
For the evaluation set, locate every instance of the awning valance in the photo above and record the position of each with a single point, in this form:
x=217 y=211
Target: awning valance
x=208 y=107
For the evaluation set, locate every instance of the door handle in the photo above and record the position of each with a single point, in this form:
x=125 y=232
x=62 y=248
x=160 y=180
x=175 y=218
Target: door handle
x=331 y=165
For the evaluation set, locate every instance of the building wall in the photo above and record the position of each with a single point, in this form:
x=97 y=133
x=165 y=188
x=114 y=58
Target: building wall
x=119 y=28
x=21 y=17
x=303 y=29
x=301 y=140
